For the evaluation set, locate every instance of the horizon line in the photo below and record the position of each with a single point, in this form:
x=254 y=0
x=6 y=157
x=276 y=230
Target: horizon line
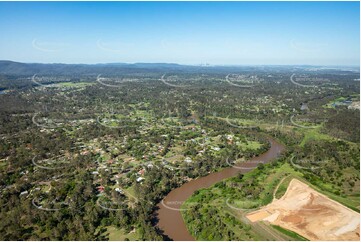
x=180 y=64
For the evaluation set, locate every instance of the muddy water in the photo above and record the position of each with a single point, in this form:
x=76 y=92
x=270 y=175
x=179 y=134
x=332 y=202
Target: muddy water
x=169 y=214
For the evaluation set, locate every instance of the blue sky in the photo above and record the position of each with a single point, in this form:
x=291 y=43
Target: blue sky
x=240 y=33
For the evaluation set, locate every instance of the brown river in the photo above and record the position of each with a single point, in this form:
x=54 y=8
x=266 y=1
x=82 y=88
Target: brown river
x=169 y=214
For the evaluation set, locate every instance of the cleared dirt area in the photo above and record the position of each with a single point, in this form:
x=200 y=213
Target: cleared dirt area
x=310 y=214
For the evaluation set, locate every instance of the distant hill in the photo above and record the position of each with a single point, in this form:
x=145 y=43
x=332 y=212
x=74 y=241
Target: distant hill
x=17 y=68
x=27 y=69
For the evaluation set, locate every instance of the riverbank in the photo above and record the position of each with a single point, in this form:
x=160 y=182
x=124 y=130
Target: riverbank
x=169 y=216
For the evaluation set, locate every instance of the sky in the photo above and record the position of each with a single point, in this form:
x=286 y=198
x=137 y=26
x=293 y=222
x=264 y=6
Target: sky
x=217 y=33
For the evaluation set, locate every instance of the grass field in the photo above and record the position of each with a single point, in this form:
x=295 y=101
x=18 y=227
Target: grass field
x=313 y=134
x=289 y=233
x=74 y=84
x=251 y=145
x=116 y=234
